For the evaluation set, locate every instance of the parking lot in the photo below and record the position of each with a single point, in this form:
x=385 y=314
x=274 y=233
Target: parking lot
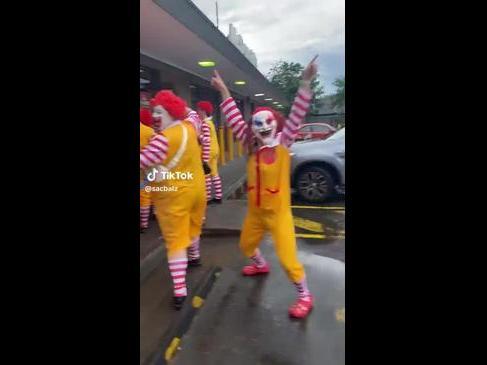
x=321 y=228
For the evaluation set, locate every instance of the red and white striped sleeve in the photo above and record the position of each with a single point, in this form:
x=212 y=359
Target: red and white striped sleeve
x=155 y=152
x=195 y=120
x=300 y=107
x=205 y=141
x=235 y=120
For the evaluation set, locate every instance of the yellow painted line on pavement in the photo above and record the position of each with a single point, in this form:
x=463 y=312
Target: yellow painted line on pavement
x=315 y=207
x=172 y=348
x=197 y=301
x=340 y=315
x=309 y=225
x=309 y=235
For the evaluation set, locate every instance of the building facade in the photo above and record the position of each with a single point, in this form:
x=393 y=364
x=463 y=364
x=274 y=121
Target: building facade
x=238 y=42
x=176 y=40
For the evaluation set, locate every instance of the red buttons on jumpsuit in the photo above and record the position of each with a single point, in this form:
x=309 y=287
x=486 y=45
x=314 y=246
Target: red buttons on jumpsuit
x=257 y=178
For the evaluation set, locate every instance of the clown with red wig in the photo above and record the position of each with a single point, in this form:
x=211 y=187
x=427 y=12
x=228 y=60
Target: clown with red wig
x=268 y=138
x=177 y=182
x=146 y=133
x=213 y=180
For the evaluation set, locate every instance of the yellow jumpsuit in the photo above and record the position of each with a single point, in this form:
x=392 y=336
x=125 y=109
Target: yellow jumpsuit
x=269 y=209
x=180 y=211
x=214 y=149
x=145 y=135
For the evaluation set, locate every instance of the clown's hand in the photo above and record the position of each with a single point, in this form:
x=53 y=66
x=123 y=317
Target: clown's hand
x=218 y=83
x=309 y=73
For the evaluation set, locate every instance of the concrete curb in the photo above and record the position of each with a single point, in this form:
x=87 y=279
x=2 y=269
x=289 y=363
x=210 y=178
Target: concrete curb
x=151 y=262
x=173 y=336
x=233 y=187
x=220 y=232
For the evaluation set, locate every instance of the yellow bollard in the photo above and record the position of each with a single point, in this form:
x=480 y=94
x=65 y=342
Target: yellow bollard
x=240 y=149
x=230 y=144
x=222 y=145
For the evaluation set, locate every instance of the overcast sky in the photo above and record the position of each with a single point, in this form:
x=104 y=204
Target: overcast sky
x=290 y=30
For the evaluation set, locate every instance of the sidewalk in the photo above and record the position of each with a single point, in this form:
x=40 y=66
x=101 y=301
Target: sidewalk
x=233 y=174
x=226 y=218
x=157 y=317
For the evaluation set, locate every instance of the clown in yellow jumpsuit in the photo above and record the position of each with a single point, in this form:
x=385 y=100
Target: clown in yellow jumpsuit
x=268 y=169
x=205 y=110
x=177 y=184
x=146 y=134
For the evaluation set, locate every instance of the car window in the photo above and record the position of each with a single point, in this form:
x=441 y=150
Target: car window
x=338 y=135
x=320 y=128
x=306 y=129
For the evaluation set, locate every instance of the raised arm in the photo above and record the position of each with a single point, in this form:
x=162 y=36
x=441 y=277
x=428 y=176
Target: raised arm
x=155 y=152
x=300 y=106
x=229 y=108
x=195 y=120
x=205 y=141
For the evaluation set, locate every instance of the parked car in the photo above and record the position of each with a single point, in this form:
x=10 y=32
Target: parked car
x=315 y=131
x=318 y=168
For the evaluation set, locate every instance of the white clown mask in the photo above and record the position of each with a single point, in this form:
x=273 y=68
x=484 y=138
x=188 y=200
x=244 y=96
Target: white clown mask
x=162 y=119
x=264 y=126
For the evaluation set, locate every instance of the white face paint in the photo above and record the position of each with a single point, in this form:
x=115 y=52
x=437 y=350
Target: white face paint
x=161 y=117
x=264 y=126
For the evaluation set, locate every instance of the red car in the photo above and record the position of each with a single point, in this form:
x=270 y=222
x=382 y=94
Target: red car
x=315 y=131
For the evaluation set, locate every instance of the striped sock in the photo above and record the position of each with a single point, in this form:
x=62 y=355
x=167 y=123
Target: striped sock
x=194 y=249
x=258 y=259
x=178 y=267
x=208 y=187
x=302 y=288
x=144 y=216
x=217 y=184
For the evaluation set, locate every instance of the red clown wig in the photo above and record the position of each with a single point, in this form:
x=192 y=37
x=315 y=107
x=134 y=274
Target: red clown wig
x=278 y=116
x=145 y=117
x=175 y=106
x=206 y=106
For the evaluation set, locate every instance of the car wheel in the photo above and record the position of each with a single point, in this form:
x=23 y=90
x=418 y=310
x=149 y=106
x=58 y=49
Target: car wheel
x=314 y=184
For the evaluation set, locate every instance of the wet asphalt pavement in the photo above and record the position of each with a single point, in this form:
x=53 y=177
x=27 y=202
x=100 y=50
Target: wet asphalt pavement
x=244 y=320
x=333 y=223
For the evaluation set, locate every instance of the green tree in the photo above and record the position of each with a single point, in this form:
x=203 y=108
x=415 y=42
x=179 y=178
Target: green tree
x=286 y=76
x=339 y=96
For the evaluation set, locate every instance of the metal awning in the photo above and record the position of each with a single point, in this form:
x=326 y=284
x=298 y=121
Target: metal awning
x=179 y=34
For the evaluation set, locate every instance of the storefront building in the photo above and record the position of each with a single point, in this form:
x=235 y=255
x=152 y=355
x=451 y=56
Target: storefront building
x=179 y=49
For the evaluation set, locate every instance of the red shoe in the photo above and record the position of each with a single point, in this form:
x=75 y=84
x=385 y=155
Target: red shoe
x=301 y=308
x=251 y=270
